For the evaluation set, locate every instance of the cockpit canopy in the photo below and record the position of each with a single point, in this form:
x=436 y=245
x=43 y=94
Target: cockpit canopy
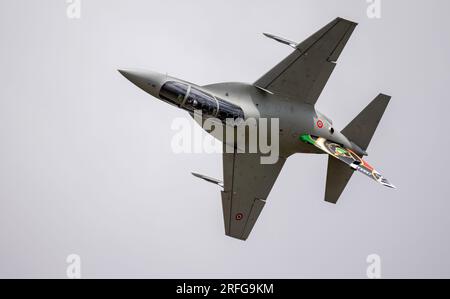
x=191 y=98
x=174 y=92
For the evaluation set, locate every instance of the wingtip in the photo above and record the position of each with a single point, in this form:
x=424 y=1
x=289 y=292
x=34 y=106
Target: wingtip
x=346 y=20
x=385 y=95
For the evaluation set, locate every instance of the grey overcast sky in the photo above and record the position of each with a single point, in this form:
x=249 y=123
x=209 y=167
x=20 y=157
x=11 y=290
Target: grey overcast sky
x=86 y=165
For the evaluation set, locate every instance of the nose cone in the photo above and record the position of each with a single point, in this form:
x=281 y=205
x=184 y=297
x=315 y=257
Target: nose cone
x=148 y=81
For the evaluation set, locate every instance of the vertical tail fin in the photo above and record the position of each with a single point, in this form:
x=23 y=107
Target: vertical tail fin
x=361 y=129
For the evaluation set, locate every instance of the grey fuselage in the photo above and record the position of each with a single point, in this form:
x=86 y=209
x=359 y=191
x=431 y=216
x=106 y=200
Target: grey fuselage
x=295 y=117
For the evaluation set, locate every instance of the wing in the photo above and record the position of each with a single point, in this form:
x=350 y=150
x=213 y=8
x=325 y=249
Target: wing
x=348 y=157
x=247 y=183
x=303 y=74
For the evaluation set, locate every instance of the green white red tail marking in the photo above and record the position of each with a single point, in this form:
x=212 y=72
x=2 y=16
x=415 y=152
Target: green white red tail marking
x=347 y=156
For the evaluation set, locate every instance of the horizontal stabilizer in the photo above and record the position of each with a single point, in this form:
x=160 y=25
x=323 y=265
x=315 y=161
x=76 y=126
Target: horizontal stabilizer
x=361 y=129
x=338 y=176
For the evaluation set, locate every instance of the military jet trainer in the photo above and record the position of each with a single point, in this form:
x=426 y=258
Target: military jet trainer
x=288 y=92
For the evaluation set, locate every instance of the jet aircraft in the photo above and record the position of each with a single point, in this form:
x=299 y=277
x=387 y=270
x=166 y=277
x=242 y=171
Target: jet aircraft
x=288 y=92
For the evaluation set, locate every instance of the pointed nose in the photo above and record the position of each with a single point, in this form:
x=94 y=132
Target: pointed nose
x=148 y=81
x=125 y=73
